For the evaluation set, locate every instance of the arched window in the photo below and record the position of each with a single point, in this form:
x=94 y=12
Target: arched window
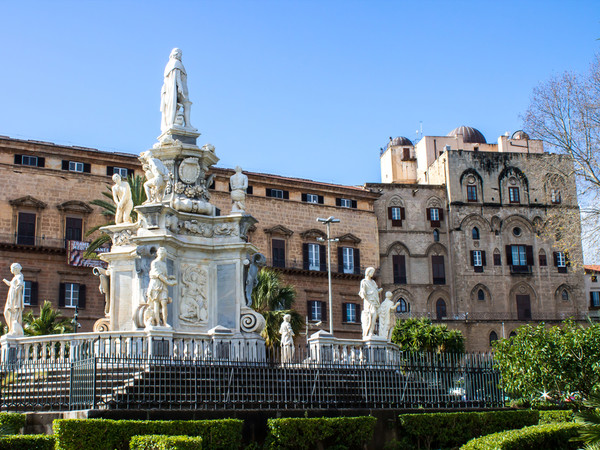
x=480 y=295
x=403 y=307
x=440 y=309
x=493 y=337
x=436 y=236
x=475 y=233
x=565 y=295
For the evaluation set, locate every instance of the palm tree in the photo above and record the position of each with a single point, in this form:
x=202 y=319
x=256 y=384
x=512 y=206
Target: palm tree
x=138 y=196
x=273 y=300
x=590 y=433
x=50 y=321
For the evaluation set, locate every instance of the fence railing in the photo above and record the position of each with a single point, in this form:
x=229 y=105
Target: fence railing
x=496 y=316
x=221 y=380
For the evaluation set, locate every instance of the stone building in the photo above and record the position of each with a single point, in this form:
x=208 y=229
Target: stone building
x=463 y=233
x=592 y=289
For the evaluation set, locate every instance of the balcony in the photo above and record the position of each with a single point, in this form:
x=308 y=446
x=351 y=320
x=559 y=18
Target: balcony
x=520 y=270
x=32 y=241
x=298 y=266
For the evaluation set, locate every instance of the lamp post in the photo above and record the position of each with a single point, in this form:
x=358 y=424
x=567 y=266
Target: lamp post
x=328 y=223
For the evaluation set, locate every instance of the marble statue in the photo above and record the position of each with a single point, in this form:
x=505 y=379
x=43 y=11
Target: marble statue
x=157 y=294
x=174 y=94
x=238 y=183
x=258 y=261
x=287 y=339
x=121 y=192
x=104 y=287
x=13 y=310
x=386 y=316
x=369 y=292
x=157 y=176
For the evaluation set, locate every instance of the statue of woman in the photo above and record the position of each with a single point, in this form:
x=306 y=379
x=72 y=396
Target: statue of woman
x=158 y=294
x=287 y=339
x=174 y=94
x=369 y=292
x=386 y=315
x=13 y=310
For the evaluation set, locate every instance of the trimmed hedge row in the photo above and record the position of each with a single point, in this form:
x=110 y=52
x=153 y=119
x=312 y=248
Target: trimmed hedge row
x=556 y=416
x=103 y=434
x=447 y=430
x=11 y=423
x=328 y=432
x=27 y=442
x=556 y=436
x=162 y=442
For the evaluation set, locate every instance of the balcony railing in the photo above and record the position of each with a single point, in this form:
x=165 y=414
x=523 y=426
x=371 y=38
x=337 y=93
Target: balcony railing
x=294 y=264
x=520 y=269
x=32 y=241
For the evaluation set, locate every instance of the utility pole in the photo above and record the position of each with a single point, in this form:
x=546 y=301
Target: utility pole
x=328 y=223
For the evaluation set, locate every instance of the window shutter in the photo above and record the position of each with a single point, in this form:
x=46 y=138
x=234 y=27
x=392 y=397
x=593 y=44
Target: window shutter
x=344 y=312
x=441 y=212
x=130 y=173
x=323 y=311
x=286 y=195
x=304 y=198
x=483 y=258
x=322 y=258
x=61 y=294
x=320 y=199
x=529 y=254
x=555 y=254
x=396 y=268
x=340 y=260
x=110 y=170
x=87 y=167
x=18 y=159
x=591 y=298
x=428 y=211
x=354 y=204
x=338 y=202
x=305 y=256
x=308 y=309
x=402 y=216
x=390 y=213
x=268 y=192
x=34 y=293
x=567 y=262
x=81 y=302
x=41 y=161
x=508 y=249
x=249 y=190
x=472 y=257
x=357 y=261
x=217 y=212
x=65 y=164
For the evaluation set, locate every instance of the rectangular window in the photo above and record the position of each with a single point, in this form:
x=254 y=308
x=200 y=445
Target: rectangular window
x=348 y=259
x=345 y=203
x=594 y=278
x=518 y=255
x=543 y=261
x=561 y=260
x=26 y=229
x=478 y=260
x=27 y=292
x=29 y=160
x=316 y=311
x=73 y=229
x=513 y=194
x=75 y=166
x=396 y=215
x=595 y=299
x=278 y=247
x=438 y=270
x=277 y=193
x=120 y=171
x=471 y=193
x=351 y=313
x=405 y=154
x=555 y=196
x=314 y=262
x=399 y=269
x=497 y=259
x=312 y=198
x=435 y=214
x=71 y=295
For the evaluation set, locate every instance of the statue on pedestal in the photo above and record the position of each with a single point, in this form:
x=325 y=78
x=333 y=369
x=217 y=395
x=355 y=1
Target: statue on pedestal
x=158 y=294
x=287 y=340
x=369 y=292
x=121 y=192
x=157 y=175
x=13 y=310
x=239 y=184
x=174 y=94
x=104 y=287
x=386 y=316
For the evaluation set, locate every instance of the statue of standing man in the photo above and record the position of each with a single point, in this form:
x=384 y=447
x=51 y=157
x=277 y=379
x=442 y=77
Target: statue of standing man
x=121 y=192
x=174 y=94
x=238 y=183
x=13 y=310
x=369 y=292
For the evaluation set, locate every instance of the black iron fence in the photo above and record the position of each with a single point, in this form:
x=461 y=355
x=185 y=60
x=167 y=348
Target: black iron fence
x=215 y=382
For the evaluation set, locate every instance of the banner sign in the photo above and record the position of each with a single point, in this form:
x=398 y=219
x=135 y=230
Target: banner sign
x=76 y=249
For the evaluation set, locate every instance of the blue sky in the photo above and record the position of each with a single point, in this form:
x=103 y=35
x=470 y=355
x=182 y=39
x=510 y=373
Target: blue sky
x=310 y=89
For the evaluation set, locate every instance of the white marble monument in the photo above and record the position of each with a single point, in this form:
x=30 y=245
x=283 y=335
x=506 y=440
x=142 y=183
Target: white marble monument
x=13 y=310
x=369 y=292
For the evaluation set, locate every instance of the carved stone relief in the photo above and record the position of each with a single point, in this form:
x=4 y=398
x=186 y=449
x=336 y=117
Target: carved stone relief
x=193 y=308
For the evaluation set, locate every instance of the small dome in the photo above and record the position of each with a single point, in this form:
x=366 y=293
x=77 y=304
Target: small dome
x=520 y=135
x=470 y=135
x=400 y=140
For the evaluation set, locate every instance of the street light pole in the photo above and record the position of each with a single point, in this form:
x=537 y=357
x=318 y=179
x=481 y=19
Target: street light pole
x=328 y=223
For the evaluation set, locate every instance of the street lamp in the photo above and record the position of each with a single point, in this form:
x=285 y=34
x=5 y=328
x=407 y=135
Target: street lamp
x=328 y=222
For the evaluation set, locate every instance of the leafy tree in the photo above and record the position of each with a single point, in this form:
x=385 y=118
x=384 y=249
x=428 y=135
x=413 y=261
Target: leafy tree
x=273 y=300
x=416 y=335
x=50 y=321
x=109 y=209
x=558 y=364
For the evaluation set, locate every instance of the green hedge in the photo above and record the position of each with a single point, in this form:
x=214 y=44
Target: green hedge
x=11 y=423
x=556 y=416
x=101 y=434
x=330 y=432
x=161 y=442
x=27 y=442
x=555 y=436
x=448 y=430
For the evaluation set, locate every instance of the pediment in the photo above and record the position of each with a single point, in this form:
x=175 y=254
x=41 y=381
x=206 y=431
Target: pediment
x=313 y=233
x=349 y=237
x=279 y=229
x=75 y=206
x=29 y=202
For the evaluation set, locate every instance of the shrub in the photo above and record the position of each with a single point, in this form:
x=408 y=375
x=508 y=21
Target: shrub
x=446 y=430
x=330 y=432
x=102 y=434
x=27 y=442
x=161 y=442
x=557 y=436
x=556 y=416
x=11 y=423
